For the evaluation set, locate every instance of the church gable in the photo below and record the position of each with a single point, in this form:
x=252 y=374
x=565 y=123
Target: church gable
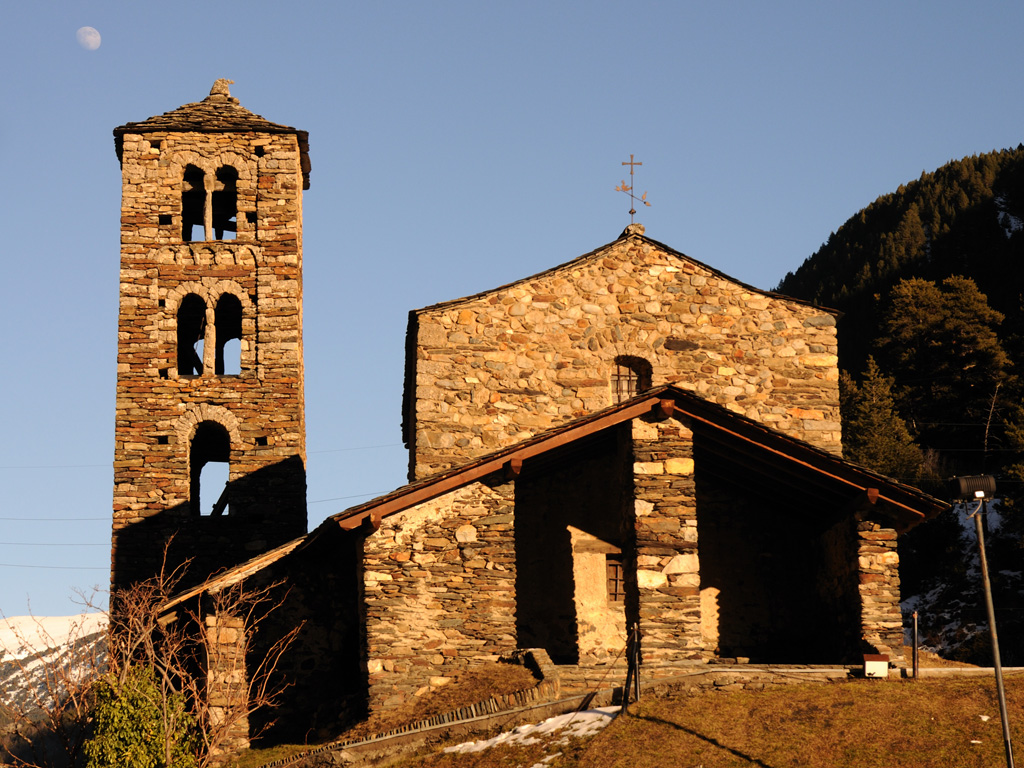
x=493 y=369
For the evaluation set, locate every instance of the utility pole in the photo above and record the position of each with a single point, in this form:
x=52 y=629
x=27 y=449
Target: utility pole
x=982 y=488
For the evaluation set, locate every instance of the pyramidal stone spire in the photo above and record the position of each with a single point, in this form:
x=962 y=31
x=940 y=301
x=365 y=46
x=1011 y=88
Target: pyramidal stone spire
x=220 y=112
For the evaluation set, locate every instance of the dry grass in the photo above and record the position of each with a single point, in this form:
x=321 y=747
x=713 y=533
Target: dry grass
x=466 y=688
x=929 y=659
x=866 y=724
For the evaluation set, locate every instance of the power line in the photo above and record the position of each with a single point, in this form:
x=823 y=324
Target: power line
x=56 y=567
x=55 y=519
x=356 y=496
x=360 y=448
x=54 y=466
x=108 y=465
x=47 y=544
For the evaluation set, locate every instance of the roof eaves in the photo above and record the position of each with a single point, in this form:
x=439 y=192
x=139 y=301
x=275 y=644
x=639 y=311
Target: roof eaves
x=234 y=575
x=898 y=495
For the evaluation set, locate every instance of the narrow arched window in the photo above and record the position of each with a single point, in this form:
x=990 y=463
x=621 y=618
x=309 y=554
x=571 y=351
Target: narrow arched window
x=225 y=204
x=228 y=334
x=209 y=470
x=630 y=376
x=191 y=335
x=193 y=204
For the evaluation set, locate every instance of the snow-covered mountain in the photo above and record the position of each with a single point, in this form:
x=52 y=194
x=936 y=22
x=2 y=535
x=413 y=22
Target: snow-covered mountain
x=39 y=655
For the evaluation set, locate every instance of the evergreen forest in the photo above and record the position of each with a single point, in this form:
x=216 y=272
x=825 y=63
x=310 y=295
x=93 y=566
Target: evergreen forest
x=930 y=283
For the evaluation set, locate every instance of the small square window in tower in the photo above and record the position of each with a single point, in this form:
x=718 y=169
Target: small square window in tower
x=630 y=376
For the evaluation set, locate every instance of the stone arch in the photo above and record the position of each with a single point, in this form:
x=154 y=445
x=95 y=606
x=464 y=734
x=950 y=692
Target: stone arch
x=198 y=420
x=172 y=334
x=233 y=319
x=188 y=422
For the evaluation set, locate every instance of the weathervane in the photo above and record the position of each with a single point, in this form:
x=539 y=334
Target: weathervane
x=628 y=189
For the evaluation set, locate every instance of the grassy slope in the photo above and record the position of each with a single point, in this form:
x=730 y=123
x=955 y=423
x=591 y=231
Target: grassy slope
x=865 y=724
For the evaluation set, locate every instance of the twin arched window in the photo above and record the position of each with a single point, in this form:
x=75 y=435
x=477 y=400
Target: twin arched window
x=225 y=340
x=209 y=204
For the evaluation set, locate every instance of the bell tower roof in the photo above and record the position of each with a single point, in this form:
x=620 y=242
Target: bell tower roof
x=220 y=112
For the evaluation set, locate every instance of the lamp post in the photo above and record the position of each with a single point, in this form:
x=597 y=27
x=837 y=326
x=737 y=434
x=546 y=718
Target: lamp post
x=982 y=488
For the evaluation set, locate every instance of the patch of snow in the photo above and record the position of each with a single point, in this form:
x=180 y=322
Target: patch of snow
x=41 y=657
x=1007 y=220
x=24 y=636
x=573 y=725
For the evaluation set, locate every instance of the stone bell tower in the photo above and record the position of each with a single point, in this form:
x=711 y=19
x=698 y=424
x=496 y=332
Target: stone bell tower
x=209 y=452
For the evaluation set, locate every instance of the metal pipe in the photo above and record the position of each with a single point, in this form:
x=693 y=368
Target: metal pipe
x=915 y=646
x=995 y=638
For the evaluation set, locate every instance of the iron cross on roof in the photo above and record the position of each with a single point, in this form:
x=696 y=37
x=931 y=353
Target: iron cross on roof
x=628 y=189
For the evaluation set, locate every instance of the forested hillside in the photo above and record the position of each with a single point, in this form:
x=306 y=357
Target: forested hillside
x=930 y=280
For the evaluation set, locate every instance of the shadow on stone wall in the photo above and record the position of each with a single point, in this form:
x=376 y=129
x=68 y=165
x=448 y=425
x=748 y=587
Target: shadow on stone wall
x=780 y=577
x=323 y=672
x=587 y=488
x=265 y=509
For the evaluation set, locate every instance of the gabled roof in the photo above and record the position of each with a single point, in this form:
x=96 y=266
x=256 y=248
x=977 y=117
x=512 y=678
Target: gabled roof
x=745 y=448
x=633 y=231
x=220 y=112
x=772 y=458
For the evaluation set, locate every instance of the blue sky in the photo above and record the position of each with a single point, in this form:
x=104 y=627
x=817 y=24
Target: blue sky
x=455 y=147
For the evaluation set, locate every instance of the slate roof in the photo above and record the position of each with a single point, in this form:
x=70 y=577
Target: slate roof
x=768 y=457
x=220 y=112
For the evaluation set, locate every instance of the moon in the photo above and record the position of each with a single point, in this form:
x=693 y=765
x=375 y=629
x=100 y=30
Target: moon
x=88 y=38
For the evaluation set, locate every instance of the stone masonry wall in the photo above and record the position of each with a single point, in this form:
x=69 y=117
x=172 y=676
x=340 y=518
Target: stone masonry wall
x=439 y=586
x=493 y=369
x=227 y=684
x=157 y=407
x=881 y=618
x=667 y=567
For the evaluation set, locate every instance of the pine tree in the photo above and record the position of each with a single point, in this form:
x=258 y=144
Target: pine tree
x=941 y=342
x=874 y=434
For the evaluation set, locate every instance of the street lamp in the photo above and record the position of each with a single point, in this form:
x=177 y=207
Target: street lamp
x=981 y=488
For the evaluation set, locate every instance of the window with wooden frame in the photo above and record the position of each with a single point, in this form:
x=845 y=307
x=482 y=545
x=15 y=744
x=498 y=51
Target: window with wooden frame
x=630 y=376
x=615 y=578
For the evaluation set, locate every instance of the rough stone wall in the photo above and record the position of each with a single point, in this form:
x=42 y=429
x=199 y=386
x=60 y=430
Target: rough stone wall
x=490 y=370
x=227 y=686
x=878 y=561
x=158 y=408
x=439 y=586
x=667 y=564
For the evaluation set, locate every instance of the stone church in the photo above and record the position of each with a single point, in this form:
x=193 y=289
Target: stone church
x=629 y=439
